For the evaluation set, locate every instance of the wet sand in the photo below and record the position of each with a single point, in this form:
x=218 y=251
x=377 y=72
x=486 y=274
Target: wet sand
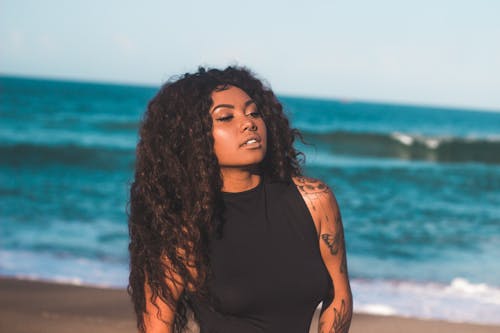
x=35 y=307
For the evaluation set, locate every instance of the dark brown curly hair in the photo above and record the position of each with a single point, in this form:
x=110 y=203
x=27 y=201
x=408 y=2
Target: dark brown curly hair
x=175 y=194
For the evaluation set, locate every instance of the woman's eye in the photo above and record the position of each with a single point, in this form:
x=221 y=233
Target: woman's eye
x=255 y=114
x=226 y=118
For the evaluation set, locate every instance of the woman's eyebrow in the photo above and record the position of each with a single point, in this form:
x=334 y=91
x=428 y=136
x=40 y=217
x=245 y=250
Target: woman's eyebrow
x=250 y=101
x=230 y=106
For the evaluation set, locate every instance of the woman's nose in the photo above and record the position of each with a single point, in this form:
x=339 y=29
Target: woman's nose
x=248 y=124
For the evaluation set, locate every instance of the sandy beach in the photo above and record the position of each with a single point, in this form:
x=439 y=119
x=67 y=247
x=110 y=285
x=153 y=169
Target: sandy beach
x=33 y=306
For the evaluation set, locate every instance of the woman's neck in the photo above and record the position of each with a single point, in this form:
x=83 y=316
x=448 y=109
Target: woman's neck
x=237 y=180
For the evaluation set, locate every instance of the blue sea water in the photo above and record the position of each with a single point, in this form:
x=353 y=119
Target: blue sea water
x=418 y=188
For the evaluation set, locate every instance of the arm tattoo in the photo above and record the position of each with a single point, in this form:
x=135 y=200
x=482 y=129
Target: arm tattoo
x=335 y=242
x=341 y=320
x=313 y=192
x=332 y=241
x=312 y=189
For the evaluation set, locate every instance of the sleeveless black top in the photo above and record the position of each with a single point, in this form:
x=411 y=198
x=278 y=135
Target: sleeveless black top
x=268 y=275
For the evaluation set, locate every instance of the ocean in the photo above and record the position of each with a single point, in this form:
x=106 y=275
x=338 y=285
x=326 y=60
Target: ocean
x=418 y=188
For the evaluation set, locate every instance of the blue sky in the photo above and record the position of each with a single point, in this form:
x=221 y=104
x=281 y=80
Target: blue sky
x=439 y=52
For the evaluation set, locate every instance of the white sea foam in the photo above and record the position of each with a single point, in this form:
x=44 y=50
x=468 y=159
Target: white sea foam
x=481 y=290
x=458 y=301
x=403 y=138
x=325 y=159
x=432 y=143
x=409 y=140
x=63 y=269
x=379 y=309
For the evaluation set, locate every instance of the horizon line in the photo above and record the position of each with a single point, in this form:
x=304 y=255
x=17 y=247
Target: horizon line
x=347 y=100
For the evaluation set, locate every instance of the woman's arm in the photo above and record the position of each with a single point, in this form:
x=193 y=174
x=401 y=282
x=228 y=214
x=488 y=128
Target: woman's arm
x=336 y=317
x=159 y=316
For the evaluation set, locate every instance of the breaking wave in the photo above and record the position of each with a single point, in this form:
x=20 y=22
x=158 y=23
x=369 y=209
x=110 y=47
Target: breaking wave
x=408 y=146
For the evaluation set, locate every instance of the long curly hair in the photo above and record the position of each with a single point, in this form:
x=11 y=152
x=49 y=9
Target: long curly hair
x=175 y=195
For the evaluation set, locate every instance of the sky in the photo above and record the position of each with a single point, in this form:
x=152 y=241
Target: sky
x=426 y=52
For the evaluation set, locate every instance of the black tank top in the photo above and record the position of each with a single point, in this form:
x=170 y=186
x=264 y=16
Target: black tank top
x=268 y=275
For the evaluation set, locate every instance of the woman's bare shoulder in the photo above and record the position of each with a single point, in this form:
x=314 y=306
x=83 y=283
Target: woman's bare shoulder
x=318 y=197
x=311 y=187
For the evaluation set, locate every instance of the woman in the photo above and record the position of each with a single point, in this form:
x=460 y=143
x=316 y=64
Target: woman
x=222 y=223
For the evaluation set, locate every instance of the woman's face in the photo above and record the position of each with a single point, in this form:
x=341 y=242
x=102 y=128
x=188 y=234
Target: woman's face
x=238 y=129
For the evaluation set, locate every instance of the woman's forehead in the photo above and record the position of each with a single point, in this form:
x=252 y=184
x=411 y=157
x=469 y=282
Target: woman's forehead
x=232 y=93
